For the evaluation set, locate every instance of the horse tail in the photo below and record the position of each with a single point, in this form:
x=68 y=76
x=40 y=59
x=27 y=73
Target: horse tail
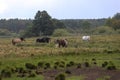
x=64 y=43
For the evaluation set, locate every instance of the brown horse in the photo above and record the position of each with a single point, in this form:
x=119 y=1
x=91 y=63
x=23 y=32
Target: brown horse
x=17 y=40
x=61 y=42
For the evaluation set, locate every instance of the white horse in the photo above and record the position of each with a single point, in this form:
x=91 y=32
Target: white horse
x=86 y=38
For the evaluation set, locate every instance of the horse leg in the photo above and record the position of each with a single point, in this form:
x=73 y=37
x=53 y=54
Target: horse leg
x=59 y=45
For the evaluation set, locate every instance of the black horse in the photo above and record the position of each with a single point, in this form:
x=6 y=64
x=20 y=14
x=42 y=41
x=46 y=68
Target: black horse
x=43 y=40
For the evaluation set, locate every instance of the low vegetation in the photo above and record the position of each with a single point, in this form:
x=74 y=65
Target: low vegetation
x=30 y=60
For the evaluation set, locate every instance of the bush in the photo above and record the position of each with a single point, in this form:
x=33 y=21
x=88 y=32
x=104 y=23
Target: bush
x=47 y=65
x=103 y=30
x=62 y=65
x=30 y=66
x=111 y=67
x=57 y=63
x=5 y=73
x=5 y=32
x=38 y=72
x=60 y=77
x=105 y=64
x=55 y=66
x=71 y=63
x=68 y=72
x=62 y=62
x=93 y=59
x=79 y=65
x=21 y=75
x=68 y=65
x=87 y=64
x=60 y=32
x=19 y=69
x=32 y=75
x=40 y=64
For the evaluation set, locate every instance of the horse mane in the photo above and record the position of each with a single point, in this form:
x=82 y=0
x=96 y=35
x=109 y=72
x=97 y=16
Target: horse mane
x=22 y=39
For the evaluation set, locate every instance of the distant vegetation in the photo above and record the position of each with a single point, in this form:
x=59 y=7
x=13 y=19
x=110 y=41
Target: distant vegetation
x=43 y=24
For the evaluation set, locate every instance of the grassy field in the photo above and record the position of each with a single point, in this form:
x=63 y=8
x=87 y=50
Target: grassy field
x=100 y=49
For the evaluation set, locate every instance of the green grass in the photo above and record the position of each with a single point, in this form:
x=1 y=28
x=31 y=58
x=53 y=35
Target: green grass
x=100 y=47
x=104 y=78
x=25 y=78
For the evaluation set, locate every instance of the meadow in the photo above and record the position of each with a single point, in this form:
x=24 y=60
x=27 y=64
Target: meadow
x=38 y=60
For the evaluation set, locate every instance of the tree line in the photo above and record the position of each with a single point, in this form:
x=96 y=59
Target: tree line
x=44 y=25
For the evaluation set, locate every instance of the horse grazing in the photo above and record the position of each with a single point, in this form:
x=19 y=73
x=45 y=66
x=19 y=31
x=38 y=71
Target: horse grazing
x=61 y=42
x=86 y=38
x=43 y=40
x=17 y=40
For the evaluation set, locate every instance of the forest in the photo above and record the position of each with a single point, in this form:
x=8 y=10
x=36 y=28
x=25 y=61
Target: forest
x=21 y=27
x=18 y=25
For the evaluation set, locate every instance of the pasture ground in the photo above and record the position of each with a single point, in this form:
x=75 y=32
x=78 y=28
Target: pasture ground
x=97 y=51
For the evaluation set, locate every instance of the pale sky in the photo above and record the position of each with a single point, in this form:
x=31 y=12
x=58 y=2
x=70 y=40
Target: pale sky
x=60 y=9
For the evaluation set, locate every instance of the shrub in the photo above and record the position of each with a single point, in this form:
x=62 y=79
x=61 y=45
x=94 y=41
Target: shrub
x=60 y=32
x=30 y=66
x=47 y=65
x=21 y=75
x=105 y=64
x=13 y=70
x=40 y=64
x=68 y=65
x=79 y=65
x=95 y=63
x=71 y=63
x=57 y=63
x=68 y=71
x=87 y=64
x=32 y=75
x=62 y=65
x=19 y=69
x=38 y=72
x=93 y=59
x=111 y=67
x=60 y=77
x=62 y=62
x=5 y=73
x=103 y=30
x=55 y=66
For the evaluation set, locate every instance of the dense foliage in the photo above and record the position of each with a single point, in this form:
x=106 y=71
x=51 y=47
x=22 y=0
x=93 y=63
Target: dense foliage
x=44 y=24
x=83 y=25
x=114 y=22
x=14 y=25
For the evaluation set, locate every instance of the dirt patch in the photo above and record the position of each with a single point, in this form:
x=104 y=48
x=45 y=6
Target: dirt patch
x=89 y=73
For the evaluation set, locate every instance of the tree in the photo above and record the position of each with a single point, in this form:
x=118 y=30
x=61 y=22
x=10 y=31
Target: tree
x=86 y=25
x=42 y=24
x=114 y=22
x=117 y=16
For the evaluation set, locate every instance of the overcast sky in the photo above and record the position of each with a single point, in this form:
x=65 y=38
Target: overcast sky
x=60 y=9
